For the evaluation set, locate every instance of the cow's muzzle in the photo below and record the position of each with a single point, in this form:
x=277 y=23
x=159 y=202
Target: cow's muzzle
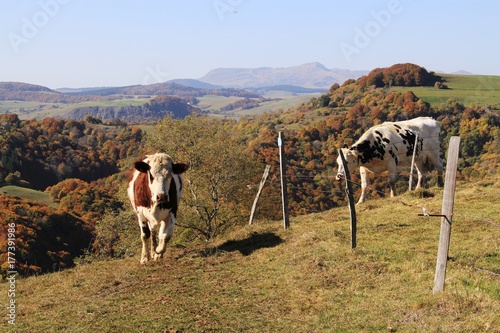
x=161 y=198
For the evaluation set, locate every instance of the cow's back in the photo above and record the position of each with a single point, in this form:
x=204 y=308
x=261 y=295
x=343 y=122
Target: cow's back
x=383 y=143
x=428 y=129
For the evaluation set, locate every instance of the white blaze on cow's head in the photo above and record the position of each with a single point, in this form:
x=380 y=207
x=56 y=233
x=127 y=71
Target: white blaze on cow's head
x=159 y=169
x=351 y=159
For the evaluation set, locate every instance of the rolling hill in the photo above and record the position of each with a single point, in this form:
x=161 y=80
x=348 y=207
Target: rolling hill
x=284 y=88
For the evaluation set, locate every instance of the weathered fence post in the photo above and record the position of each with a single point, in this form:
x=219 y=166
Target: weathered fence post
x=413 y=161
x=447 y=212
x=352 y=206
x=284 y=198
x=261 y=186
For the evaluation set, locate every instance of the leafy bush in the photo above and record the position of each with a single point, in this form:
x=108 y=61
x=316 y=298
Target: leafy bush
x=216 y=196
x=117 y=235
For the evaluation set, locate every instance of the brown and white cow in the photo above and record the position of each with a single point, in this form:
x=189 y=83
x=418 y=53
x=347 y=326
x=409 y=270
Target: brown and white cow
x=155 y=192
x=389 y=146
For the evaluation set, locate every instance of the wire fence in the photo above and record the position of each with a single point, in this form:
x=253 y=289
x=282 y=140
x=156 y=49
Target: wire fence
x=426 y=150
x=309 y=174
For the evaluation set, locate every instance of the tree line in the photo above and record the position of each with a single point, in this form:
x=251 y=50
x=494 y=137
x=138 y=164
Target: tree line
x=41 y=153
x=29 y=92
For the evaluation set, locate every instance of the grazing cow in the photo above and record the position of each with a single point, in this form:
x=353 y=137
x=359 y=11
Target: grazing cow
x=390 y=145
x=155 y=192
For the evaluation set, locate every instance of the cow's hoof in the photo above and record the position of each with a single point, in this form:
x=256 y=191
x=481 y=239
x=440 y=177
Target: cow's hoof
x=144 y=261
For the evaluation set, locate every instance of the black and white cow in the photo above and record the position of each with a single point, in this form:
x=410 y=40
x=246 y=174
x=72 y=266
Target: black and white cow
x=390 y=145
x=155 y=192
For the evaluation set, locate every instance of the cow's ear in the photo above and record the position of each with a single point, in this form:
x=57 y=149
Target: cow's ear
x=142 y=166
x=179 y=168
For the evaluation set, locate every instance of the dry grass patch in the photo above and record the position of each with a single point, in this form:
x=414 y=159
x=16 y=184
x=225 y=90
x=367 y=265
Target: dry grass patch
x=262 y=278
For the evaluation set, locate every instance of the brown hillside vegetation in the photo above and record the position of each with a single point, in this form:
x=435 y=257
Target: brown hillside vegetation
x=262 y=278
x=409 y=75
x=46 y=239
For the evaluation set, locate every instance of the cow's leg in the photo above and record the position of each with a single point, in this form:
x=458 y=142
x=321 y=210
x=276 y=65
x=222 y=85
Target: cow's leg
x=154 y=243
x=440 y=177
x=419 y=166
x=164 y=234
x=392 y=184
x=145 y=236
x=392 y=169
x=364 y=184
x=439 y=166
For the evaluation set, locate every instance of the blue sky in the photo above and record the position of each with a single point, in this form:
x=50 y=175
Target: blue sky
x=85 y=43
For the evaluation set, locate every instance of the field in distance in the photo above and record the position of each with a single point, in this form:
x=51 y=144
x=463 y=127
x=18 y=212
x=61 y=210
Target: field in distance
x=42 y=197
x=39 y=110
x=466 y=89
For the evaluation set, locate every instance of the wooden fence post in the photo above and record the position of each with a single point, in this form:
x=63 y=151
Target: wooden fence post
x=261 y=186
x=352 y=206
x=413 y=161
x=447 y=212
x=284 y=198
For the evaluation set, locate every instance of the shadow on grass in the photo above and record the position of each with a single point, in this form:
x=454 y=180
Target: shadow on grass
x=246 y=246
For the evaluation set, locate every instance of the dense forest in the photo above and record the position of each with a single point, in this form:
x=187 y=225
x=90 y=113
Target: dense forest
x=42 y=153
x=46 y=239
x=78 y=164
x=84 y=166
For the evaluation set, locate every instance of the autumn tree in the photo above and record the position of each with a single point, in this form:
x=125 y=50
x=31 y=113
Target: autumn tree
x=216 y=196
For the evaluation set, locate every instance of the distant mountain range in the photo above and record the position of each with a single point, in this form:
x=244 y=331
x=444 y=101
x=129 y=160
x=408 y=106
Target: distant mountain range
x=312 y=75
x=307 y=78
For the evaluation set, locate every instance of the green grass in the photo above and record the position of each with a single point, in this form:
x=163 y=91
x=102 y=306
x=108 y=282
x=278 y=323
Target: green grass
x=212 y=104
x=274 y=106
x=466 y=89
x=42 y=197
x=262 y=278
x=38 y=110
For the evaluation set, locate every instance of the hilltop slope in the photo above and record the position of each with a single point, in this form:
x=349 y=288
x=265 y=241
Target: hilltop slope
x=262 y=278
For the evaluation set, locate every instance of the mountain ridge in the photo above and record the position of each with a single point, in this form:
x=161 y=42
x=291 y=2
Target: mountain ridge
x=309 y=75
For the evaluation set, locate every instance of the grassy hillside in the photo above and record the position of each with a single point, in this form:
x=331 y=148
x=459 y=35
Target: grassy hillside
x=39 y=110
x=27 y=193
x=466 y=89
x=281 y=101
x=262 y=278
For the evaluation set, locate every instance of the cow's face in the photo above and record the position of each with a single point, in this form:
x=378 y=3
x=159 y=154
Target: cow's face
x=159 y=169
x=352 y=162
